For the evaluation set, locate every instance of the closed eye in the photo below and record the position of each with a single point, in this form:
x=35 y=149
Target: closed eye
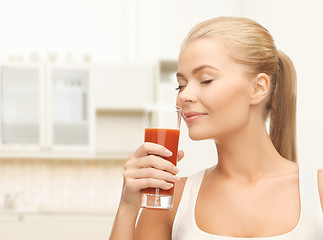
x=207 y=81
x=179 y=88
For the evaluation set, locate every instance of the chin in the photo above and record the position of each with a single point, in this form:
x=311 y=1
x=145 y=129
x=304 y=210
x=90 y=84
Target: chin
x=198 y=136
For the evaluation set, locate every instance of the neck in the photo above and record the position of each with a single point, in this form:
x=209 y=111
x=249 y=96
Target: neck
x=248 y=154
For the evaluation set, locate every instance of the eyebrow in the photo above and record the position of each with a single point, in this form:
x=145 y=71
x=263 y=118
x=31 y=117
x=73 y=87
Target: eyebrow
x=196 y=70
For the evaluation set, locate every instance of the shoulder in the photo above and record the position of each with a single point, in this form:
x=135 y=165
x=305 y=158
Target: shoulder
x=320 y=184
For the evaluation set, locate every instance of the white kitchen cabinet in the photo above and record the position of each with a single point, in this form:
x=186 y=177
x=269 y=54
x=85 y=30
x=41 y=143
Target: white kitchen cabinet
x=119 y=132
x=167 y=82
x=55 y=226
x=82 y=227
x=22 y=107
x=71 y=114
x=122 y=93
x=23 y=227
x=46 y=107
x=52 y=110
x=124 y=86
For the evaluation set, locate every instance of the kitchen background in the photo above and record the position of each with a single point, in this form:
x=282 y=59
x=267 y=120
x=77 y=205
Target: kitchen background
x=74 y=77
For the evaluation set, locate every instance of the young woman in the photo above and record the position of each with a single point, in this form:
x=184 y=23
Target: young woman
x=231 y=79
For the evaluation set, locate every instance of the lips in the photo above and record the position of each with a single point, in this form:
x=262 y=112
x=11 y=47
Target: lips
x=191 y=116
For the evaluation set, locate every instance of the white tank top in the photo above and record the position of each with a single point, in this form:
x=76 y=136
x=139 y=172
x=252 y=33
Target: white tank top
x=309 y=227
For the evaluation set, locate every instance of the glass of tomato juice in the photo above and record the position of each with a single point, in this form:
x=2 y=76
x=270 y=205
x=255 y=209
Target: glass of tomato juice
x=162 y=127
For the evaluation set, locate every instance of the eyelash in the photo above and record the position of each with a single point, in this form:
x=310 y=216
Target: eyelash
x=207 y=81
x=204 y=82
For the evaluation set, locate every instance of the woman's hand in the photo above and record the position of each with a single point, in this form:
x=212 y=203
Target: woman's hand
x=145 y=168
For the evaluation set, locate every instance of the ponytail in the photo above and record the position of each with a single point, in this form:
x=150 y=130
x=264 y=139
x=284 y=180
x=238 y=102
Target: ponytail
x=283 y=108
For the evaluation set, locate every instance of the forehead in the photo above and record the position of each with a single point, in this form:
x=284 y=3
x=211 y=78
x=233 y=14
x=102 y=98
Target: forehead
x=203 y=51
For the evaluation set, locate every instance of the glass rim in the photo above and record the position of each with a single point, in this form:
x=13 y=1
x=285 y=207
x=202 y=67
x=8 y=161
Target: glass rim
x=164 y=107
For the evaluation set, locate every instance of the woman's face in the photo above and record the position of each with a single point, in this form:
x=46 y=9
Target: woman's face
x=214 y=91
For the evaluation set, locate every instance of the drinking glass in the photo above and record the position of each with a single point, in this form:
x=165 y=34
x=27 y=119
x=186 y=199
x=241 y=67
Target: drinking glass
x=162 y=127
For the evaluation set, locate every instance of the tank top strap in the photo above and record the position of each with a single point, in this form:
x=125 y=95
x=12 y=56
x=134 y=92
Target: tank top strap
x=310 y=197
x=186 y=207
x=195 y=182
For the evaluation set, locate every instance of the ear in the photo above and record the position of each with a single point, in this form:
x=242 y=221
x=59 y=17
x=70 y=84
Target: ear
x=259 y=88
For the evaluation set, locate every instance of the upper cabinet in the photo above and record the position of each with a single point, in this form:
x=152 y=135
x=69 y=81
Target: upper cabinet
x=46 y=107
x=124 y=86
x=167 y=82
x=74 y=111
x=121 y=94
x=21 y=104
x=70 y=105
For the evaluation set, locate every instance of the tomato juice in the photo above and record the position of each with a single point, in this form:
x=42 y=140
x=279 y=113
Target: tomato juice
x=168 y=138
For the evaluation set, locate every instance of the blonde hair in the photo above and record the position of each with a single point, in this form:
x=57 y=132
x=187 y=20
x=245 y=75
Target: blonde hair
x=252 y=45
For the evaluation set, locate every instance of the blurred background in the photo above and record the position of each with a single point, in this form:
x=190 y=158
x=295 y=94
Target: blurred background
x=74 y=78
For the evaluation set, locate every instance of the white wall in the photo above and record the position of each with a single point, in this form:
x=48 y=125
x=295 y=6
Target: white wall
x=161 y=25
x=62 y=27
x=110 y=30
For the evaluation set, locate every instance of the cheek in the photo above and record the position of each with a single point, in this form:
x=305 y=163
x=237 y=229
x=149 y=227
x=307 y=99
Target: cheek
x=231 y=107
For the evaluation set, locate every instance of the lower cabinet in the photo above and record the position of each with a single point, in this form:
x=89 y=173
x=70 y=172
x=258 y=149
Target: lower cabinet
x=23 y=227
x=18 y=226
x=85 y=227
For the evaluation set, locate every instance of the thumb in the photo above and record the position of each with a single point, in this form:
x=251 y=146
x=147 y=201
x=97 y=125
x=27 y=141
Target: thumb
x=180 y=155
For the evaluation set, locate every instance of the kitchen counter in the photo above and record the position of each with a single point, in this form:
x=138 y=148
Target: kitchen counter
x=70 y=211
x=63 y=155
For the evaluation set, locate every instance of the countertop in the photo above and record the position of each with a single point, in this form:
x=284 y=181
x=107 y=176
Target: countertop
x=48 y=211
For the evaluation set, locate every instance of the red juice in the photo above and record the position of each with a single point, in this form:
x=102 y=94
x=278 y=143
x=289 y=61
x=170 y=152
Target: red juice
x=168 y=138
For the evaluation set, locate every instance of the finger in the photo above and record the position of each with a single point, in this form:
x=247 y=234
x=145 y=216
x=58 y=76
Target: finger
x=154 y=183
x=135 y=185
x=180 y=155
x=152 y=148
x=152 y=161
x=153 y=173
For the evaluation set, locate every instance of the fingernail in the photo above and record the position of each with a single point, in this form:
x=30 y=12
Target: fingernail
x=177 y=178
x=169 y=153
x=176 y=169
x=170 y=185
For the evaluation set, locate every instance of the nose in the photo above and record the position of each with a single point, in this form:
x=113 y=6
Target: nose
x=187 y=94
